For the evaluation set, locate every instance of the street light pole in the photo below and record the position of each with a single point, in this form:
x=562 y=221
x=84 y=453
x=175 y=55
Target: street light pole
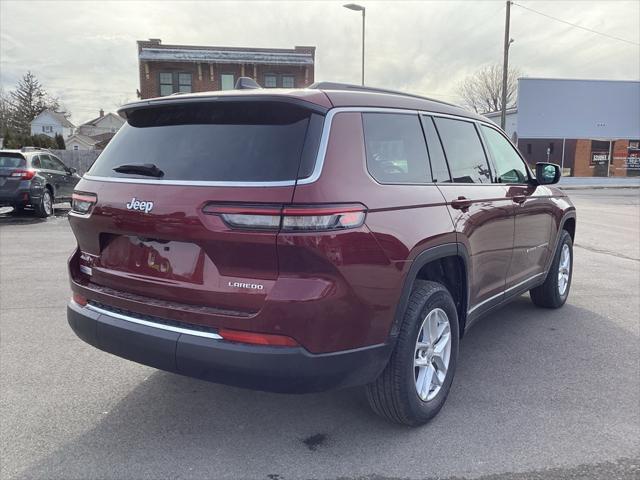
x=505 y=66
x=359 y=8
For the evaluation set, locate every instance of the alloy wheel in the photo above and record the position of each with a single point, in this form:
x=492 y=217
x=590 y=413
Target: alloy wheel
x=432 y=354
x=564 y=269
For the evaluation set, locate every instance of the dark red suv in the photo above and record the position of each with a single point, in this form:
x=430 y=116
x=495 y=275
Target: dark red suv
x=301 y=240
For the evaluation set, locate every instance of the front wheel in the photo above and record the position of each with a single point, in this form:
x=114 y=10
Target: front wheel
x=555 y=289
x=415 y=383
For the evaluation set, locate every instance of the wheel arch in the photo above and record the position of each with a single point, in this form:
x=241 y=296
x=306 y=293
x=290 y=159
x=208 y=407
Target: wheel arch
x=447 y=264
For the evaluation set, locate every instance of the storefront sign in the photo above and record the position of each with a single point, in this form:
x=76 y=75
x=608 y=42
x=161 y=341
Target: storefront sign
x=599 y=158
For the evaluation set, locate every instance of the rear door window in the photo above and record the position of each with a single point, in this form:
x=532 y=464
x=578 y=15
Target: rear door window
x=35 y=162
x=210 y=141
x=464 y=152
x=395 y=147
x=509 y=166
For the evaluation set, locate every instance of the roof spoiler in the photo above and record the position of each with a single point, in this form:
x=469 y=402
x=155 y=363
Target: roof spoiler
x=246 y=83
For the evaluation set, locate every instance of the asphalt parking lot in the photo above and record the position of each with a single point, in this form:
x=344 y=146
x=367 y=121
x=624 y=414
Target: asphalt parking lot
x=538 y=393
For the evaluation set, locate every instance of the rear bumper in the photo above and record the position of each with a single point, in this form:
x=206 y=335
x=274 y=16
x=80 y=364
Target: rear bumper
x=275 y=369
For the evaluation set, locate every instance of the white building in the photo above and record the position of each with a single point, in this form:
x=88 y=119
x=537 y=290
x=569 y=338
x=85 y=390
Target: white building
x=77 y=141
x=109 y=123
x=51 y=123
x=510 y=124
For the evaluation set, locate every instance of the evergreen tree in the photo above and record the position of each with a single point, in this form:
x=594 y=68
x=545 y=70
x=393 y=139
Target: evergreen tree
x=28 y=100
x=60 y=142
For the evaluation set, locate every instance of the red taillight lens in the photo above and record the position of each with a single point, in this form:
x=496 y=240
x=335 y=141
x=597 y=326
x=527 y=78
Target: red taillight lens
x=323 y=218
x=292 y=218
x=79 y=299
x=24 y=174
x=257 y=338
x=83 y=202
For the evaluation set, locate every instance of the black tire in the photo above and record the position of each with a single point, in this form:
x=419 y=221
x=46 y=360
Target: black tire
x=44 y=207
x=548 y=295
x=394 y=394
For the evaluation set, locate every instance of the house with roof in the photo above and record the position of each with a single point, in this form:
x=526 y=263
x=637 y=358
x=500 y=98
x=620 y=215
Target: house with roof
x=168 y=69
x=51 y=123
x=103 y=123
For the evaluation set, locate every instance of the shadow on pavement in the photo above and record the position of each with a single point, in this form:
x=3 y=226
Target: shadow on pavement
x=8 y=216
x=522 y=371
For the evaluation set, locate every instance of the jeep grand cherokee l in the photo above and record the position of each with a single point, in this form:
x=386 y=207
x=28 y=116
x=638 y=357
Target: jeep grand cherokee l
x=301 y=240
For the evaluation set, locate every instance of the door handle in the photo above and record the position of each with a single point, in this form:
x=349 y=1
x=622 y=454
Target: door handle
x=519 y=198
x=461 y=203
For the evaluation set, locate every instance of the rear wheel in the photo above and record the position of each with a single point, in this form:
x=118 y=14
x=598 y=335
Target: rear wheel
x=555 y=289
x=415 y=383
x=44 y=208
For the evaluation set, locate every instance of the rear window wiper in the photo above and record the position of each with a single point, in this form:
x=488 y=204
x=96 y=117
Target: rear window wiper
x=148 y=169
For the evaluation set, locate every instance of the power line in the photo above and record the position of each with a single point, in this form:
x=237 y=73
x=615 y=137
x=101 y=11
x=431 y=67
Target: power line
x=577 y=26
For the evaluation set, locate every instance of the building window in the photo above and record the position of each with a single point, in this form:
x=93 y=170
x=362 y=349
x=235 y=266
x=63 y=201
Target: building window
x=226 y=81
x=75 y=147
x=174 y=82
x=528 y=149
x=166 y=84
x=270 y=80
x=184 y=82
x=47 y=128
x=288 y=81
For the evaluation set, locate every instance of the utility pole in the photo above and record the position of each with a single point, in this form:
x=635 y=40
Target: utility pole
x=505 y=66
x=363 y=10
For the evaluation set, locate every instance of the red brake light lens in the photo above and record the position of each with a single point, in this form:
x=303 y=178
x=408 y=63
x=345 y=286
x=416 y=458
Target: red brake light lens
x=257 y=338
x=292 y=218
x=83 y=202
x=79 y=299
x=24 y=174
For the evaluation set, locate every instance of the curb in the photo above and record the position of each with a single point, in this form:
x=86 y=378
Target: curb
x=596 y=187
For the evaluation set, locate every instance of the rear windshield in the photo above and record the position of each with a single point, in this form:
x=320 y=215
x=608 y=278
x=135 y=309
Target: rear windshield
x=209 y=141
x=12 y=160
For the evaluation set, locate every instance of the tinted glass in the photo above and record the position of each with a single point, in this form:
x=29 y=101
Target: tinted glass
x=35 y=162
x=12 y=160
x=245 y=142
x=509 y=166
x=396 y=151
x=439 y=170
x=464 y=152
x=57 y=164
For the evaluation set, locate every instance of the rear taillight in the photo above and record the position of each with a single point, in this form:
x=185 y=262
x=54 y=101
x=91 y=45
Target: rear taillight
x=290 y=218
x=79 y=299
x=24 y=174
x=83 y=202
x=257 y=338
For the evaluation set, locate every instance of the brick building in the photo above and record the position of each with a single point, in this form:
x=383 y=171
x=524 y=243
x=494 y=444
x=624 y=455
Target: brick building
x=589 y=127
x=167 y=69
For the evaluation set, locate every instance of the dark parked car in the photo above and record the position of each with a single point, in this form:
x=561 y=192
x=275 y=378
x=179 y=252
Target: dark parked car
x=301 y=240
x=34 y=178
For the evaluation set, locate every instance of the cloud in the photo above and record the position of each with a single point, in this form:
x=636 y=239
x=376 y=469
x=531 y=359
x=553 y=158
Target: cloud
x=85 y=52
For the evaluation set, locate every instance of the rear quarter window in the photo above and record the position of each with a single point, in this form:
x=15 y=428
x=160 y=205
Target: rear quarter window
x=395 y=148
x=209 y=141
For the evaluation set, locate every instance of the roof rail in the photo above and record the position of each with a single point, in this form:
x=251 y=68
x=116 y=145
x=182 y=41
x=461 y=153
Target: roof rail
x=33 y=149
x=362 y=88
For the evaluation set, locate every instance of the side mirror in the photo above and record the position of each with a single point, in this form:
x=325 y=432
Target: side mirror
x=547 y=173
x=71 y=170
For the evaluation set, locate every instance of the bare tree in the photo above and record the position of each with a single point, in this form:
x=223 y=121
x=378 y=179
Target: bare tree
x=27 y=101
x=482 y=91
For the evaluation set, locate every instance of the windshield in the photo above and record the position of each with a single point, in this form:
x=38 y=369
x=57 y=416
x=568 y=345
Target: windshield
x=209 y=141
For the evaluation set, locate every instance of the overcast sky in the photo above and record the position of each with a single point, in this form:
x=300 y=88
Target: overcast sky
x=85 y=53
